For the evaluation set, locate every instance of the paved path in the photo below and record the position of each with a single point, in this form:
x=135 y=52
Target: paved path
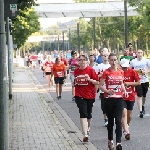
x=32 y=123
x=139 y=128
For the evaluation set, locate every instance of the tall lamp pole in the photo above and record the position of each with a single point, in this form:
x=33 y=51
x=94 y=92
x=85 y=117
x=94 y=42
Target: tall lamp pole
x=94 y=38
x=3 y=84
x=125 y=23
x=78 y=35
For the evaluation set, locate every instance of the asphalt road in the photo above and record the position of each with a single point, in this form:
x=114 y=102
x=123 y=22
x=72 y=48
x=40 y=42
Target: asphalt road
x=139 y=128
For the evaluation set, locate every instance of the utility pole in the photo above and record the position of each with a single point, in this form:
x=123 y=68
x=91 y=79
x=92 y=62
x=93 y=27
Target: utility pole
x=94 y=38
x=63 y=34
x=9 y=45
x=58 y=43
x=69 y=47
x=3 y=84
x=125 y=23
x=78 y=35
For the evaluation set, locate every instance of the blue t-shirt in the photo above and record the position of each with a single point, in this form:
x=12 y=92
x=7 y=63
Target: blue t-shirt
x=68 y=56
x=99 y=59
x=56 y=55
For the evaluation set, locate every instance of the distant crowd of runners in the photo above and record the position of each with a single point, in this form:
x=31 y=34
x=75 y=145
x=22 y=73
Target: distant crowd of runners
x=118 y=80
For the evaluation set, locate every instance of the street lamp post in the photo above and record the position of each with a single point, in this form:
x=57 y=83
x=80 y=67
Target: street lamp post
x=78 y=35
x=3 y=84
x=94 y=38
x=125 y=23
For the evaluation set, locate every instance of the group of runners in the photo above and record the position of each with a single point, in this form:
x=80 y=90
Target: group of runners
x=118 y=80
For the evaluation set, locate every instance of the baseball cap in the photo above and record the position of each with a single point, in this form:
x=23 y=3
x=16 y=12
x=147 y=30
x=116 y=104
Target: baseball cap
x=124 y=62
x=105 y=49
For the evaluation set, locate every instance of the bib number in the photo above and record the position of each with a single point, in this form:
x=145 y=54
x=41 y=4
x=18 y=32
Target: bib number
x=60 y=74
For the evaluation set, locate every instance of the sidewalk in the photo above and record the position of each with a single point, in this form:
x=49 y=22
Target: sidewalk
x=33 y=125
x=36 y=121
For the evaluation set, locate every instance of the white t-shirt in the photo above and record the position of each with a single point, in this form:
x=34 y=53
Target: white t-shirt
x=40 y=56
x=43 y=61
x=101 y=68
x=140 y=65
x=95 y=67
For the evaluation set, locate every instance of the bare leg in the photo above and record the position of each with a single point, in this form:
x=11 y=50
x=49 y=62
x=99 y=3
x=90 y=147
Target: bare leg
x=89 y=124
x=139 y=102
x=143 y=100
x=57 y=89
x=84 y=125
x=129 y=116
x=48 y=77
x=124 y=120
x=60 y=89
x=73 y=91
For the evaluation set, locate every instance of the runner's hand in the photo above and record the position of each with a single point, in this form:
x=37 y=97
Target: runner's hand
x=111 y=92
x=87 y=77
x=126 y=94
x=127 y=84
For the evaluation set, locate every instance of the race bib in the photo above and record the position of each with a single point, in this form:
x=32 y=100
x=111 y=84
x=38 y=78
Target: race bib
x=49 y=69
x=73 y=68
x=80 y=80
x=60 y=74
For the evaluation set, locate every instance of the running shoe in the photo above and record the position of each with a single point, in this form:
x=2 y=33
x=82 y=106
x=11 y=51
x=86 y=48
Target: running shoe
x=110 y=144
x=59 y=97
x=88 y=133
x=73 y=98
x=141 y=114
x=127 y=135
x=105 y=122
x=85 y=138
x=119 y=146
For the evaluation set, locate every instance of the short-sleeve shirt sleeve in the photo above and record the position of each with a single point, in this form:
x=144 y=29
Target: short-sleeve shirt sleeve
x=104 y=75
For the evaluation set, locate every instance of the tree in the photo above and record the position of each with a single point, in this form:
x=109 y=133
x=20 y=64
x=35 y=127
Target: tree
x=25 y=23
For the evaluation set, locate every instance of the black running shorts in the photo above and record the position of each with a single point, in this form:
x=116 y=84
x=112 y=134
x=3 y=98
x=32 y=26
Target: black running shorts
x=142 y=89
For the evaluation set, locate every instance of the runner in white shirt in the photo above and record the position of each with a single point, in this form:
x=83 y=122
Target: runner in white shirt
x=43 y=61
x=142 y=66
x=39 y=58
x=101 y=68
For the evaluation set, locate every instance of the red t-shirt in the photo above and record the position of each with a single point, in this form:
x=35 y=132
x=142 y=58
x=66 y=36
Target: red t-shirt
x=113 y=79
x=130 y=76
x=59 y=70
x=64 y=61
x=33 y=58
x=84 y=88
x=48 y=66
x=133 y=54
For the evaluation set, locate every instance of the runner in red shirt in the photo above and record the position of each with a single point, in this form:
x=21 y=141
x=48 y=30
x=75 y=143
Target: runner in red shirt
x=48 y=67
x=131 y=79
x=85 y=93
x=33 y=58
x=114 y=102
x=131 y=51
x=59 y=71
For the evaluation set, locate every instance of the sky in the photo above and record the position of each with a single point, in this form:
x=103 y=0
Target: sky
x=46 y=22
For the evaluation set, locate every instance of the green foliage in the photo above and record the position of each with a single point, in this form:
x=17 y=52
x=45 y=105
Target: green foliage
x=25 y=4
x=24 y=25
